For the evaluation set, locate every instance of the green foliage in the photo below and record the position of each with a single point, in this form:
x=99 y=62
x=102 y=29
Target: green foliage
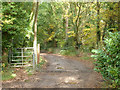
x=69 y=51
x=42 y=61
x=15 y=21
x=85 y=58
x=29 y=70
x=108 y=59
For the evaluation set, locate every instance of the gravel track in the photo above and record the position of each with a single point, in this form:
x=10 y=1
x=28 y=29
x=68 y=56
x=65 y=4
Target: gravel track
x=60 y=72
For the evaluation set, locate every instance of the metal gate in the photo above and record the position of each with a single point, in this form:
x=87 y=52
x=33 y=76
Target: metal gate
x=21 y=57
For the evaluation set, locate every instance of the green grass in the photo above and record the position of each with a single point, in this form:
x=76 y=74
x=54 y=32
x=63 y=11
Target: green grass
x=85 y=58
x=69 y=52
x=8 y=73
x=30 y=73
x=29 y=70
x=41 y=63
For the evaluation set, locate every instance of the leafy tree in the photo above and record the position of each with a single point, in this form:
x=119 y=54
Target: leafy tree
x=15 y=24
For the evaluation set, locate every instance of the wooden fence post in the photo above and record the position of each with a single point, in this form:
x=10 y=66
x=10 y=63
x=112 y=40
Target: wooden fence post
x=9 y=56
x=38 y=54
x=33 y=61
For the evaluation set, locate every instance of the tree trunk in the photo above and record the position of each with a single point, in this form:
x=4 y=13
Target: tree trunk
x=77 y=23
x=119 y=16
x=104 y=31
x=66 y=25
x=98 y=24
x=0 y=33
x=35 y=32
x=66 y=21
x=32 y=16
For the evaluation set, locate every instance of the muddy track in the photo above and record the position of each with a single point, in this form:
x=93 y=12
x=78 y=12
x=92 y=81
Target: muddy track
x=60 y=72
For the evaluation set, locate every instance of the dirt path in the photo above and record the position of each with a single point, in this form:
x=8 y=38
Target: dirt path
x=60 y=72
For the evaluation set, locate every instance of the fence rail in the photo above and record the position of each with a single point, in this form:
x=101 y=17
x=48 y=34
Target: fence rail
x=19 y=57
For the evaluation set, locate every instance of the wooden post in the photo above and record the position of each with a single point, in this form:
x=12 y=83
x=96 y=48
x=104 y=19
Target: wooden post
x=9 y=56
x=12 y=55
x=33 y=61
x=38 y=53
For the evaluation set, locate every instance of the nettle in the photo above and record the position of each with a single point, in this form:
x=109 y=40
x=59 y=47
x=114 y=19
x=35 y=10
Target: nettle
x=108 y=59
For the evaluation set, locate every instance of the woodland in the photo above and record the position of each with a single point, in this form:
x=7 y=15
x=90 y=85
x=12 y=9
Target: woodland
x=67 y=28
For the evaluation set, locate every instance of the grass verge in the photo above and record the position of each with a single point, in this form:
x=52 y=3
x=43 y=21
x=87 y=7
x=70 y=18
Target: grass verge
x=8 y=73
x=30 y=71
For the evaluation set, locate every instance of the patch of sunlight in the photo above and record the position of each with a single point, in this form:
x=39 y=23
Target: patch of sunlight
x=43 y=54
x=13 y=75
x=71 y=80
x=37 y=78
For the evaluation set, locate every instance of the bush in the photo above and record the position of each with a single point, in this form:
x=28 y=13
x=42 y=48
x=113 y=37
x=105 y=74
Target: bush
x=108 y=59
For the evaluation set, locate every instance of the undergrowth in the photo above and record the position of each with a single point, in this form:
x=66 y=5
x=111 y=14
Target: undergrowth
x=30 y=70
x=108 y=60
x=8 y=73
